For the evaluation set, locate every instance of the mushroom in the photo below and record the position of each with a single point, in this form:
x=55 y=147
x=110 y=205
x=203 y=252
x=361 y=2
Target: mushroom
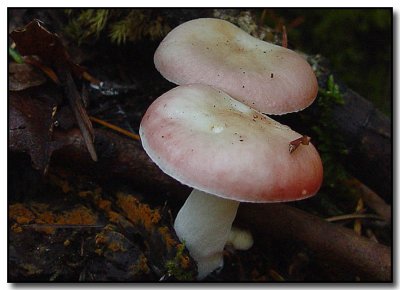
x=228 y=153
x=240 y=239
x=270 y=78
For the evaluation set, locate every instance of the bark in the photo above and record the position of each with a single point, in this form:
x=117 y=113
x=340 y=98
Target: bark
x=331 y=243
x=367 y=135
x=119 y=157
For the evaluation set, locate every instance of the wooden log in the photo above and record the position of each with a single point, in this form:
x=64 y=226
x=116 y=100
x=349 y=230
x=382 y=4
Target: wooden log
x=119 y=157
x=367 y=135
x=330 y=242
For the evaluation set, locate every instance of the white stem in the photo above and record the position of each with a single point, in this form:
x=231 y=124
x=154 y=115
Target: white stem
x=204 y=223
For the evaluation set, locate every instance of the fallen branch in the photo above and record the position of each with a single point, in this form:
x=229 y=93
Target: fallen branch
x=119 y=157
x=330 y=243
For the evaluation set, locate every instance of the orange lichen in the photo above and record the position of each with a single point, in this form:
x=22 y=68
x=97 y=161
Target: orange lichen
x=16 y=228
x=20 y=213
x=46 y=217
x=60 y=182
x=115 y=247
x=104 y=204
x=166 y=234
x=100 y=239
x=84 y=193
x=137 y=212
x=78 y=216
x=140 y=266
x=114 y=216
x=178 y=266
x=185 y=262
x=43 y=220
x=23 y=220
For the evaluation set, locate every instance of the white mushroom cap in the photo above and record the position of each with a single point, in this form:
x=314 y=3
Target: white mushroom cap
x=207 y=140
x=240 y=239
x=267 y=77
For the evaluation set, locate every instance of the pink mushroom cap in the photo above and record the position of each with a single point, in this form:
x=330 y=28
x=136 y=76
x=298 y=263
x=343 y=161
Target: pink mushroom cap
x=267 y=77
x=207 y=140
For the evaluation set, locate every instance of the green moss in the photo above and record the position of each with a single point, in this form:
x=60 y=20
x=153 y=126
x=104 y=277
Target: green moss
x=86 y=23
x=117 y=25
x=176 y=267
x=331 y=144
x=335 y=196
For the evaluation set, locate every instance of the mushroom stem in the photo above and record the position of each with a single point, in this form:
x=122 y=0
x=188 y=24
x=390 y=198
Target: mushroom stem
x=203 y=224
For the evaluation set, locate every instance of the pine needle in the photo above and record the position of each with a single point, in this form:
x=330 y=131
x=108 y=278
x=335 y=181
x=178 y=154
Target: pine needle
x=115 y=128
x=353 y=216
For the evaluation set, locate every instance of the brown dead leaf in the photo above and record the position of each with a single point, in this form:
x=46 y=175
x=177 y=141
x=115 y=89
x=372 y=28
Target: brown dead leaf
x=30 y=125
x=22 y=76
x=35 y=39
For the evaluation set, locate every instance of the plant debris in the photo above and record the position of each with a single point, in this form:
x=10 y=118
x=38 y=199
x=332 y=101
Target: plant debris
x=30 y=127
x=23 y=76
x=35 y=39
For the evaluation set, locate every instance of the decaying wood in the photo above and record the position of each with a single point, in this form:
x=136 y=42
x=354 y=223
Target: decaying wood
x=331 y=243
x=94 y=238
x=367 y=135
x=120 y=156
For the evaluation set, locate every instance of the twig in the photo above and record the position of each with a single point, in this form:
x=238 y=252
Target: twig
x=284 y=37
x=115 y=128
x=44 y=68
x=374 y=201
x=76 y=104
x=353 y=216
x=275 y=276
